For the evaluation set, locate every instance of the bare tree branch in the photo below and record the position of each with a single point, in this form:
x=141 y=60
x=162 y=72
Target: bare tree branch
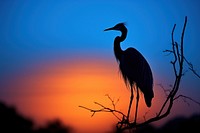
x=105 y=109
x=191 y=68
x=186 y=97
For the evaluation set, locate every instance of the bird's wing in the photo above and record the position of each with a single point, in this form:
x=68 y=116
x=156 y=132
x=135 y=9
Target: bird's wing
x=135 y=68
x=130 y=65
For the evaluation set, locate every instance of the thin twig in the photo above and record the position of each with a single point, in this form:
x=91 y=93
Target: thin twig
x=186 y=97
x=105 y=109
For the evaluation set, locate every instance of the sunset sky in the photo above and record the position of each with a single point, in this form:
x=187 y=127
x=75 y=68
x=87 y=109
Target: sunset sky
x=55 y=57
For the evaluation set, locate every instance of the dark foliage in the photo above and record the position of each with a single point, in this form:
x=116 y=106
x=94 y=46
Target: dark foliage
x=176 y=125
x=54 y=126
x=182 y=124
x=12 y=122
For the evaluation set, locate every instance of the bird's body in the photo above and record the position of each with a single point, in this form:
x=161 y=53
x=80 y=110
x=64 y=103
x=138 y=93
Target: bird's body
x=134 y=68
x=140 y=73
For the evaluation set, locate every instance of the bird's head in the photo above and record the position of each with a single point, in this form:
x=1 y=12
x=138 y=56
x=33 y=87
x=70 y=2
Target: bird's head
x=118 y=27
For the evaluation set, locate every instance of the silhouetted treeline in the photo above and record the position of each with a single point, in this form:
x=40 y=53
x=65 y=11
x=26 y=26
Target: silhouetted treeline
x=55 y=126
x=180 y=124
x=176 y=125
x=12 y=122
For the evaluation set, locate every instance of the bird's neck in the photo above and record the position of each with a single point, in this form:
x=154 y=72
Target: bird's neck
x=123 y=35
x=117 y=48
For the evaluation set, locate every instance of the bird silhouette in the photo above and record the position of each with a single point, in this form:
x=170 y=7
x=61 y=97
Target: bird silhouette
x=134 y=68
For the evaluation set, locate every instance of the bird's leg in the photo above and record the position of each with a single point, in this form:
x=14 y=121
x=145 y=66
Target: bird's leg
x=137 y=101
x=131 y=100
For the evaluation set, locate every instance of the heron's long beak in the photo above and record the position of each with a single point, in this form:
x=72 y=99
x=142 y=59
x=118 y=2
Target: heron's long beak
x=109 y=29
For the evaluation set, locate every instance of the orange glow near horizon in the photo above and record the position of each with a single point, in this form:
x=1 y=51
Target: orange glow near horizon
x=56 y=90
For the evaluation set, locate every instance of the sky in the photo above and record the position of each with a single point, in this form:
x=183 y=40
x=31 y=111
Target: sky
x=55 y=56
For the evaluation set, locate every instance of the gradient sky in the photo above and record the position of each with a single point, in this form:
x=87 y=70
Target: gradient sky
x=55 y=56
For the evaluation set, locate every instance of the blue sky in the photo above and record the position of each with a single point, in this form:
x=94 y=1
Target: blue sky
x=40 y=30
x=33 y=31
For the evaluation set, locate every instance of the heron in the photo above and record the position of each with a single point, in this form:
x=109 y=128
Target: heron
x=134 y=69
